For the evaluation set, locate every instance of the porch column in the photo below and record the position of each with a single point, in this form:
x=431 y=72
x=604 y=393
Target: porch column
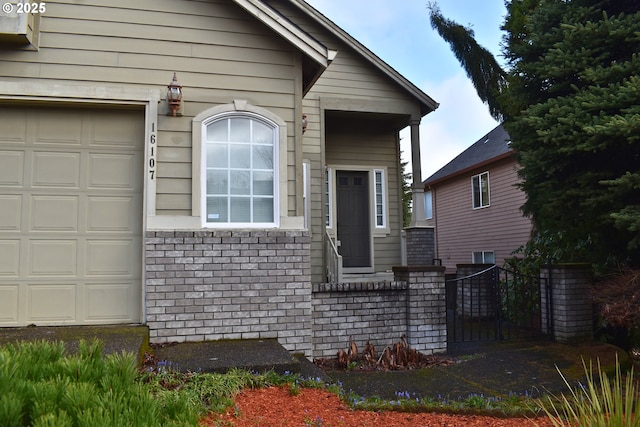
x=417 y=189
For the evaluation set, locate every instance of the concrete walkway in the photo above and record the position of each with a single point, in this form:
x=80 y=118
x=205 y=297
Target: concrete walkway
x=491 y=368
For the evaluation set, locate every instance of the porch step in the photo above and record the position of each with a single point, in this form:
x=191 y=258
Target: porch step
x=367 y=277
x=259 y=355
x=208 y=356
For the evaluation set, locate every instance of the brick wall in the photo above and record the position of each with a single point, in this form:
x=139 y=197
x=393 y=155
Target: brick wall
x=572 y=309
x=374 y=312
x=426 y=307
x=210 y=285
x=420 y=246
x=414 y=305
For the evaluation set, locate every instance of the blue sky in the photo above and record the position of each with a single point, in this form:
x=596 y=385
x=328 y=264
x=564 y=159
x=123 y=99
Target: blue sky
x=399 y=32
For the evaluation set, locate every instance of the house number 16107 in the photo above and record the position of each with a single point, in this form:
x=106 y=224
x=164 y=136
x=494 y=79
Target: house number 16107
x=152 y=154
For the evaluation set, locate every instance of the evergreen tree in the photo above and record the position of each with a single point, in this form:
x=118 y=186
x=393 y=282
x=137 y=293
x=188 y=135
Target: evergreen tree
x=571 y=104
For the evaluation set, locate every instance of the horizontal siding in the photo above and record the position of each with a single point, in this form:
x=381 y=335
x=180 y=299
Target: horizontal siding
x=220 y=53
x=349 y=75
x=365 y=144
x=461 y=230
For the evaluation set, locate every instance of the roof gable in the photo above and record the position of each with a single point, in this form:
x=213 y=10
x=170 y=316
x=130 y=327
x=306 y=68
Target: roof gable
x=316 y=56
x=493 y=146
x=427 y=103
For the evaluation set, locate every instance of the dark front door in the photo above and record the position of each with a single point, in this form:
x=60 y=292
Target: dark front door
x=353 y=218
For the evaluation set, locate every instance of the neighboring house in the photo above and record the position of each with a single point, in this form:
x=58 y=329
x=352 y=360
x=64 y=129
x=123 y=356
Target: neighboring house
x=211 y=222
x=474 y=204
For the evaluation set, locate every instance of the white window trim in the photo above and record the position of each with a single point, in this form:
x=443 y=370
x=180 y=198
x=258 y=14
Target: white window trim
x=306 y=193
x=428 y=196
x=329 y=193
x=376 y=231
x=383 y=176
x=483 y=257
x=488 y=202
x=239 y=108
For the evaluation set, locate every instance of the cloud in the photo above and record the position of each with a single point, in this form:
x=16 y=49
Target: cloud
x=460 y=121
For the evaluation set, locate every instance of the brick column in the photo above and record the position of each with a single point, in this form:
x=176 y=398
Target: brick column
x=421 y=245
x=426 y=307
x=571 y=306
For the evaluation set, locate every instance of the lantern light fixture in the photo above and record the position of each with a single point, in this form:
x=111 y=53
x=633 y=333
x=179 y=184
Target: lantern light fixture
x=174 y=96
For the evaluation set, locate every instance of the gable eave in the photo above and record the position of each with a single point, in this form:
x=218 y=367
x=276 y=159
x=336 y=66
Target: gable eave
x=428 y=104
x=294 y=35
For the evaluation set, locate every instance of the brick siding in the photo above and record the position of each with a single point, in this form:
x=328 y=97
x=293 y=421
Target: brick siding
x=211 y=285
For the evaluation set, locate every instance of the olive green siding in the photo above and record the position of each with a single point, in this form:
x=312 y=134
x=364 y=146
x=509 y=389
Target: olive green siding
x=220 y=53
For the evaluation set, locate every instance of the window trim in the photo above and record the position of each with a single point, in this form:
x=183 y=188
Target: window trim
x=428 y=204
x=239 y=108
x=483 y=255
x=329 y=192
x=482 y=203
x=376 y=231
x=383 y=194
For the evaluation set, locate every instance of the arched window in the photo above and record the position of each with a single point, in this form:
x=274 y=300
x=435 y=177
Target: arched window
x=240 y=170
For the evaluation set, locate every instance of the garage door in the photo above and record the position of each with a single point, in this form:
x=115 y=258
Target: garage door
x=70 y=215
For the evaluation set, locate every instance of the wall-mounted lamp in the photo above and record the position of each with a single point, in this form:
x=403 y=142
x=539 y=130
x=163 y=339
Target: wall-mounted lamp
x=304 y=123
x=174 y=96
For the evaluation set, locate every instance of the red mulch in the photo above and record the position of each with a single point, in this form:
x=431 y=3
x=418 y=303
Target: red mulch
x=278 y=407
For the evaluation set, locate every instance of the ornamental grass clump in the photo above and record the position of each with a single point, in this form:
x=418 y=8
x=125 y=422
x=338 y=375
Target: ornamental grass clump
x=600 y=402
x=42 y=386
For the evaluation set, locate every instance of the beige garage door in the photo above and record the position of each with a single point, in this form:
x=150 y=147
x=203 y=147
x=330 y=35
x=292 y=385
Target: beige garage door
x=70 y=215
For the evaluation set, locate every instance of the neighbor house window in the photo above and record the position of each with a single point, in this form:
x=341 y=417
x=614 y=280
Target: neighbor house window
x=484 y=257
x=241 y=170
x=380 y=197
x=480 y=189
x=428 y=204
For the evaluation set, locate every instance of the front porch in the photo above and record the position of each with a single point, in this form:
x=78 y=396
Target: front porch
x=380 y=308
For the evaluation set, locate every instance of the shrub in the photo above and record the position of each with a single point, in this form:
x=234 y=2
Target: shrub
x=600 y=402
x=41 y=386
x=618 y=299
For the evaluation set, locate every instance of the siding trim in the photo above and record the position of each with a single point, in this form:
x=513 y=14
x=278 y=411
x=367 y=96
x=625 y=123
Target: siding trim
x=301 y=40
x=427 y=103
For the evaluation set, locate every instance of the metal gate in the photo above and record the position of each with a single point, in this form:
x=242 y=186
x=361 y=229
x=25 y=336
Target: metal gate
x=496 y=304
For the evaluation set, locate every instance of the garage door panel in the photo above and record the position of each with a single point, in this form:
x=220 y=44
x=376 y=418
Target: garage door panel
x=10 y=212
x=14 y=127
x=54 y=213
x=9 y=303
x=111 y=214
x=115 y=171
x=109 y=301
x=111 y=257
x=56 y=169
x=58 y=127
x=53 y=257
x=104 y=134
x=53 y=303
x=11 y=168
x=9 y=258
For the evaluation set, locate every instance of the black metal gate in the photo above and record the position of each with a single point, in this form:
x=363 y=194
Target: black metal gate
x=496 y=304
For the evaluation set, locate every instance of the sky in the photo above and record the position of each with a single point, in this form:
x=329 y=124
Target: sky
x=399 y=32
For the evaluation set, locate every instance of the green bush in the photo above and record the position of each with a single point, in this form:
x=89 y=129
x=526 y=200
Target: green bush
x=41 y=386
x=601 y=402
